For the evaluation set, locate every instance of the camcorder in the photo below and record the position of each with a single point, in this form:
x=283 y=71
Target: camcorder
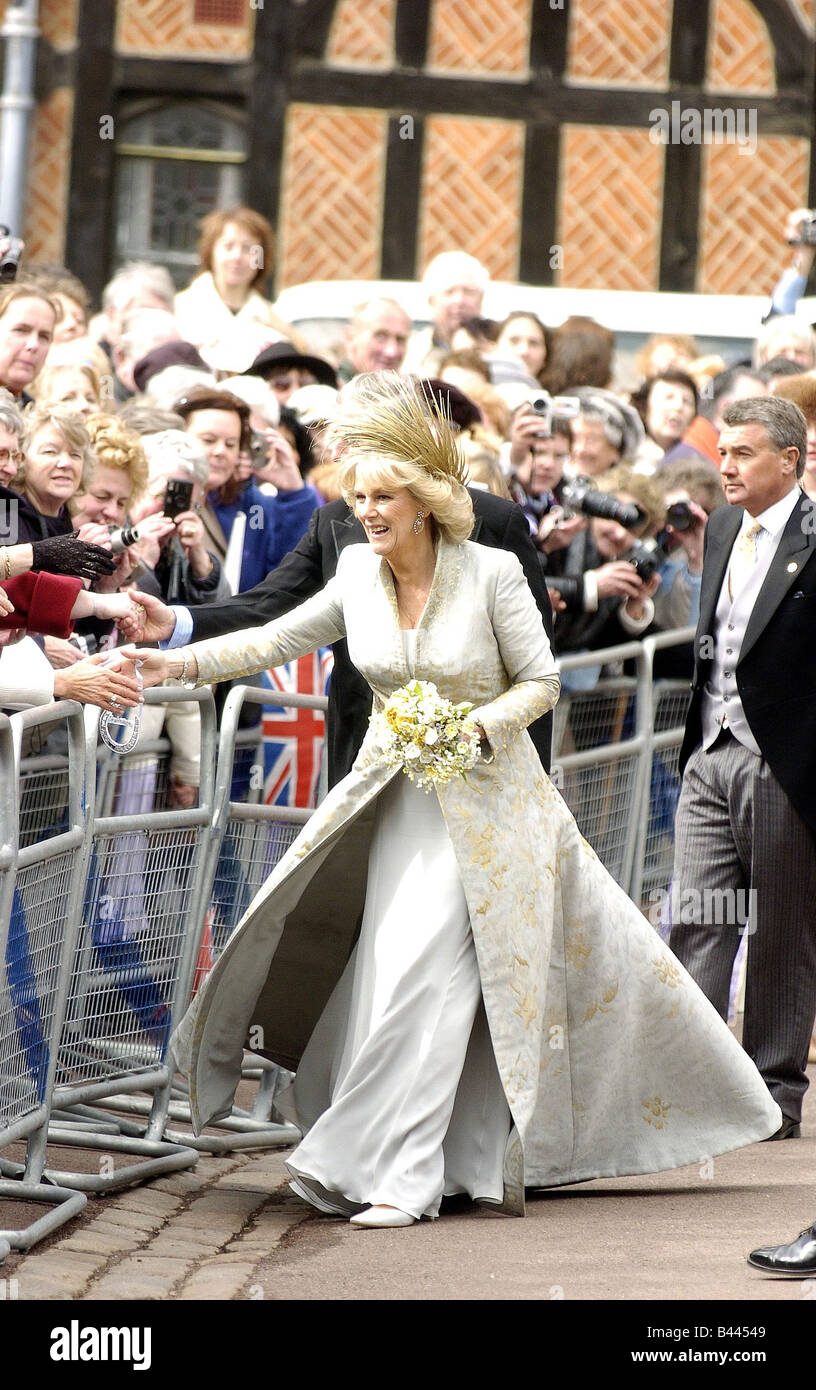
x=580 y=496
x=547 y=407
x=10 y=261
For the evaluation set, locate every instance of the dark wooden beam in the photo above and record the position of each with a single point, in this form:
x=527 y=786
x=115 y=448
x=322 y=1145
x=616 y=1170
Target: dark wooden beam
x=312 y=23
x=180 y=77
x=689 y=42
x=548 y=40
x=683 y=165
x=54 y=69
x=90 y=184
x=539 y=205
x=542 y=146
x=269 y=98
x=681 y=207
x=403 y=178
x=793 y=45
x=411 y=28
x=786 y=114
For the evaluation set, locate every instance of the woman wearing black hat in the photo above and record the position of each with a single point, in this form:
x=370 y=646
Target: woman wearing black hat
x=286 y=369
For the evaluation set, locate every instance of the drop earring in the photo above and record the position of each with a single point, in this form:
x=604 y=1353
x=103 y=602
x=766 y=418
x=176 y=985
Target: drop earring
x=419 y=524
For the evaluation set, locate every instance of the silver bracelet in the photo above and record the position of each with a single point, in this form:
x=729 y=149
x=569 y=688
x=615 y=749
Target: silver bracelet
x=183 y=676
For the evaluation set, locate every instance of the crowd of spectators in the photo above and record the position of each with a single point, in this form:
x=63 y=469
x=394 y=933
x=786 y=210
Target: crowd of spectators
x=178 y=443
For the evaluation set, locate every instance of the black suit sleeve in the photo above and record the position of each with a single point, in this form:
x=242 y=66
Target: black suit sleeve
x=298 y=576
x=518 y=539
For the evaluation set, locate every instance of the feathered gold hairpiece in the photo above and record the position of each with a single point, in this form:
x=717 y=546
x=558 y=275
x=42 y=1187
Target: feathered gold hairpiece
x=394 y=416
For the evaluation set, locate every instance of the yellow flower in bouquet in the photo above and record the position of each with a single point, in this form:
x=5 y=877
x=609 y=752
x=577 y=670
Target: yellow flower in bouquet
x=429 y=737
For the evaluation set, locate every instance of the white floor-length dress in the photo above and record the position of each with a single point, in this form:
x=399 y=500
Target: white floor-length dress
x=404 y=1120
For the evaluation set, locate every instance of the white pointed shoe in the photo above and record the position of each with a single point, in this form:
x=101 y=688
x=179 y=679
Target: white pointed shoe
x=377 y=1217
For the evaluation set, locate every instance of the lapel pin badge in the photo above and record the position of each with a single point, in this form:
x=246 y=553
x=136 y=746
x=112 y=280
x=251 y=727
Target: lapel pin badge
x=792 y=567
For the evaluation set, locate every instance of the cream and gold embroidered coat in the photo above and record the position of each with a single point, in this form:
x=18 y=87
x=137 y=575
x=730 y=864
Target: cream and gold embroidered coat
x=611 y=1059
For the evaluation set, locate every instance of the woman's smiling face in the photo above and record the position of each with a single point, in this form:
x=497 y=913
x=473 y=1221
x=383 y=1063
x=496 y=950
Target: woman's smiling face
x=387 y=514
x=53 y=470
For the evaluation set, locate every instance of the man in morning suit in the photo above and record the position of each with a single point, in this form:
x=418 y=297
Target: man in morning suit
x=746 y=819
x=304 y=571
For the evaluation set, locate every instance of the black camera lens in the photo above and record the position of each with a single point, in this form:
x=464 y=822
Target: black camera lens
x=679 y=516
x=645 y=557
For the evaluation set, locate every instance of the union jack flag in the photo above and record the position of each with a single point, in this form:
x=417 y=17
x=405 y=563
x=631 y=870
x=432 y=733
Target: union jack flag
x=293 y=738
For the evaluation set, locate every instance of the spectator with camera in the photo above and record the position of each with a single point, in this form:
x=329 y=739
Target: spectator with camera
x=800 y=234
x=537 y=484
x=611 y=569
x=691 y=492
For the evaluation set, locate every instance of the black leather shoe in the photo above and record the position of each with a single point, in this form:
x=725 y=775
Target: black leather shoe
x=789 y=1129
x=797 y=1259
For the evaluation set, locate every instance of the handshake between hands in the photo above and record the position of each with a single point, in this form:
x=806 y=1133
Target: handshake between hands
x=150 y=620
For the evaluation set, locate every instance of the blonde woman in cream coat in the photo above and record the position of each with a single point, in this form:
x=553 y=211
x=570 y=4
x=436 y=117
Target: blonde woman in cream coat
x=471 y=1003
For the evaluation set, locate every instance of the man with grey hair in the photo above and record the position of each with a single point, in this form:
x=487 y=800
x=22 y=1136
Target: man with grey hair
x=142 y=331
x=376 y=338
x=455 y=284
x=786 y=336
x=745 y=843
x=138 y=285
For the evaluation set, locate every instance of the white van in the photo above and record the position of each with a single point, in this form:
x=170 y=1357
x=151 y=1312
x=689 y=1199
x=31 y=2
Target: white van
x=723 y=324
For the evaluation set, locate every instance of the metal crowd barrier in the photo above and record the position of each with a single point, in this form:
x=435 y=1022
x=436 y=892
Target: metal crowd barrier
x=132 y=968
x=113 y=904
x=615 y=754
x=249 y=838
x=43 y=857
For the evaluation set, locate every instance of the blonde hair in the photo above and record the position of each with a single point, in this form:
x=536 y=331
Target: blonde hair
x=72 y=428
x=43 y=387
x=392 y=428
x=115 y=446
x=482 y=459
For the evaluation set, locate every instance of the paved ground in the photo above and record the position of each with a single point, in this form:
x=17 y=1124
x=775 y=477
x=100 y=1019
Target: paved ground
x=230 y=1230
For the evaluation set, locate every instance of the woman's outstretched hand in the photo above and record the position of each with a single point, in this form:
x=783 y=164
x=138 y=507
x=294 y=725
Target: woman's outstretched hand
x=155 y=666
x=94 y=680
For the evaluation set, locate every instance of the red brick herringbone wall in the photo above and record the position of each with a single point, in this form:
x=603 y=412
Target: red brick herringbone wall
x=165 y=28
x=609 y=208
x=471 y=191
x=740 y=53
x=46 y=204
x=479 y=37
x=362 y=34
x=332 y=194
x=610 y=195
x=745 y=199
x=619 y=42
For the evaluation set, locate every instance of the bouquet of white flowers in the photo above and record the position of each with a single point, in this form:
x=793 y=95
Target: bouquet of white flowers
x=429 y=737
